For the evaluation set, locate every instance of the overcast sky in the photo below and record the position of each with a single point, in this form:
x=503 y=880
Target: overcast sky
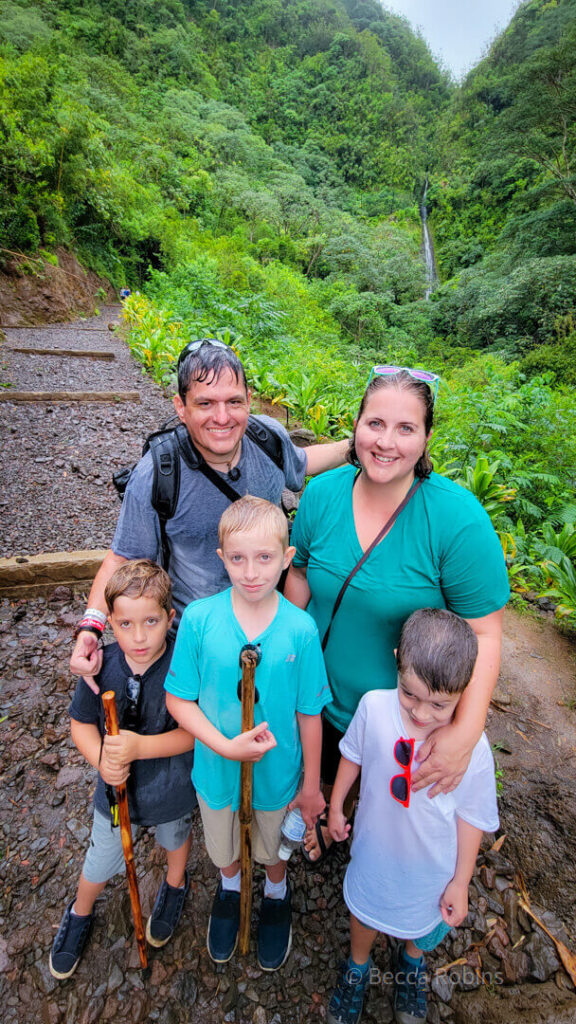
x=457 y=31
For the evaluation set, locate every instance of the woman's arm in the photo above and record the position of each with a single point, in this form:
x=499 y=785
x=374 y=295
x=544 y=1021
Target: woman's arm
x=296 y=588
x=445 y=755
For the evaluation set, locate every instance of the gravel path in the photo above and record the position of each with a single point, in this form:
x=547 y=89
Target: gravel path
x=66 y=503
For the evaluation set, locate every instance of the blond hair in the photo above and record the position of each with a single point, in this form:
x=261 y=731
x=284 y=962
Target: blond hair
x=251 y=514
x=139 y=577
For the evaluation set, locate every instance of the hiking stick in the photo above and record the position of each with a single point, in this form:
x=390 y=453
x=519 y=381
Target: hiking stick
x=249 y=658
x=109 y=702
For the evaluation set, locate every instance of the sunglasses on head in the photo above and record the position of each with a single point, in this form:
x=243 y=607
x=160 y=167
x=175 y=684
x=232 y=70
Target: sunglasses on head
x=132 y=711
x=194 y=346
x=400 y=784
x=423 y=376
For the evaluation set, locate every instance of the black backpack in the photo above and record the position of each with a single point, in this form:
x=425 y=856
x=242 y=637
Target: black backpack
x=170 y=443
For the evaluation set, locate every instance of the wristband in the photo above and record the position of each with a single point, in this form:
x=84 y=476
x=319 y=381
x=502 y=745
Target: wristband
x=95 y=613
x=90 y=626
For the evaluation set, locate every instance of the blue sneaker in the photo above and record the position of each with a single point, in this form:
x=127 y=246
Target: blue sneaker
x=69 y=943
x=166 y=913
x=347 y=1002
x=275 y=931
x=223 y=925
x=410 y=987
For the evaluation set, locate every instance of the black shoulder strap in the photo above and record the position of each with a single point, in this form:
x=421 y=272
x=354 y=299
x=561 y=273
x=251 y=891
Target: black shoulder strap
x=269 y=442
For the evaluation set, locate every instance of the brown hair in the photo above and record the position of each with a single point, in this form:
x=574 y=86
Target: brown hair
x=440 y=648
x=208 y=363
x=250 y=513
x=140 y=577
x=402 y=381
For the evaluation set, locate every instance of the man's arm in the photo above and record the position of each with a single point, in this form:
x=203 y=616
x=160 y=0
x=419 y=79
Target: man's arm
x=310 y=799
x=320 y=457
x=86 y=659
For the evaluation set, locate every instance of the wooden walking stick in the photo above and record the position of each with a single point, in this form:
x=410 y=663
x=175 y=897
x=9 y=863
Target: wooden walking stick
x=249 y=659
x=109 y=702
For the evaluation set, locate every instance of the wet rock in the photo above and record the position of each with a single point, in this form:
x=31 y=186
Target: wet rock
x=259 y=1016
x=115 y=979
x=443 y=985
x=93 y=1011
x=230 y=1000
x=542 y=957
x=78 y=829
x=68 y=777
x=515 y=966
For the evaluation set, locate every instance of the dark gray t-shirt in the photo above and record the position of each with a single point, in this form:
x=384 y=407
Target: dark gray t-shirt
x=195 y=569
x=159 y=789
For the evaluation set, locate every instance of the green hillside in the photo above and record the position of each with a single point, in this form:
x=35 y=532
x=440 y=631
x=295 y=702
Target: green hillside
x=254 y=169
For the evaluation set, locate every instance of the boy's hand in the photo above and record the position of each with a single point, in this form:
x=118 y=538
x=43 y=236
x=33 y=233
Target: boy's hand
x=122 y=749
x=113 y=774
x=338 y=825
x=454 y=903
x=251 y=745
x=311 y=804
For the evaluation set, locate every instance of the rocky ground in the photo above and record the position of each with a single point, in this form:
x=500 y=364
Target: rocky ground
x=501 y=967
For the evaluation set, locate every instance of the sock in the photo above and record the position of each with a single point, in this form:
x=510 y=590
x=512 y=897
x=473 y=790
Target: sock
x=74 y=914
x=410 y=959
x=231 y=884
x=351 y=965
x=275 y=890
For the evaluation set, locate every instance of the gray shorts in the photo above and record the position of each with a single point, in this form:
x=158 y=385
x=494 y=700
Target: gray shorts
x=105 y=857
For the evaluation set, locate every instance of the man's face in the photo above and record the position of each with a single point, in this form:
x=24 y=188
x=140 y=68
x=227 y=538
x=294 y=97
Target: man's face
x=216 y=414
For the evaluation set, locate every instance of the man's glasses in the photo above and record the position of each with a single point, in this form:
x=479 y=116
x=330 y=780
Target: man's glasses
x=424 y=376
x=132 y=711
x=400 y=784
x=193 y=347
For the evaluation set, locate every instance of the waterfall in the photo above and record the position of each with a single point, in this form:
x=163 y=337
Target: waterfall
x=431 y=275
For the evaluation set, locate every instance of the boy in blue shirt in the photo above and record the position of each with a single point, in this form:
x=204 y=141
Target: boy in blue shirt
x=291 y=690
x=151 y=755
x=412 y=857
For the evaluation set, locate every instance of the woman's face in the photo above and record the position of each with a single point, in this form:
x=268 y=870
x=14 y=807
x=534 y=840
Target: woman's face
x=390 y=435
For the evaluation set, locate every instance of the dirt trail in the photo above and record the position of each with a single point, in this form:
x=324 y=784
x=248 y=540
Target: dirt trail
x=56 y=494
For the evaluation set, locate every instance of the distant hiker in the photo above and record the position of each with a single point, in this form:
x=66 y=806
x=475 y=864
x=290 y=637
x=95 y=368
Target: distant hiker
x=440 y=551
x=412 y=858
x=151 y=752
x=224 y=453
x=291 y=690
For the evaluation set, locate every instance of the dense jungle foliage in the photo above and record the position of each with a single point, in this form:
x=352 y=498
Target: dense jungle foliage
x=254 y=170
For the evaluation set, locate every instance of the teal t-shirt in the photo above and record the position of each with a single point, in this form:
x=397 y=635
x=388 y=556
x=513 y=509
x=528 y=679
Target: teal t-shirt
x=442 y=552
x=290 y=678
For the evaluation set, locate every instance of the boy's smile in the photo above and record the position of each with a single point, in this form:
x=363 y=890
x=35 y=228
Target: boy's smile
x=422 y=709
x=140 y=626
x=254 y=562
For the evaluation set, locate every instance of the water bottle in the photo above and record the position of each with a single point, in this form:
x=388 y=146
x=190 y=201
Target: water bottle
x=293 y=831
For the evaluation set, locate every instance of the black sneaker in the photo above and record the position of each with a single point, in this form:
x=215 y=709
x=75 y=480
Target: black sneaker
x=166 y=912
x=223 y=925
x=410 y=999
x=275 y=931
x=69 y=943
x=347 y=1002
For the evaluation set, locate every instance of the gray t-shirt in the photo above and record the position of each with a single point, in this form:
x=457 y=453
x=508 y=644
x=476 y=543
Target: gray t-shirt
x=194 y=568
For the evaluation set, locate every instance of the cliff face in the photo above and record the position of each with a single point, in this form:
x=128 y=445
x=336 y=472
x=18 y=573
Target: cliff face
x=33 y=291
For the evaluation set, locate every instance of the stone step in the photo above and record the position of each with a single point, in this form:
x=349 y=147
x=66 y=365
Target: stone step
x=77 y=353
x=32 y=575
x=69 y=396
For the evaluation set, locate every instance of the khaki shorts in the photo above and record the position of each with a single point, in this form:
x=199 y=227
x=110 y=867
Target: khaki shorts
x=222 y=834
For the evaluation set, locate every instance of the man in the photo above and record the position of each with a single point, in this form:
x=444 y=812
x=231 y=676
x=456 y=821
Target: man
x=213 y=402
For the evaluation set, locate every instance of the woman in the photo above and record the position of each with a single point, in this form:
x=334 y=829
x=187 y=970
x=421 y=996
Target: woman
x=441 y=552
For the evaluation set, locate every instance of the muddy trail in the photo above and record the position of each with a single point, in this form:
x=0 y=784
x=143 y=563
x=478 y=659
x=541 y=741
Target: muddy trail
x=56 y=495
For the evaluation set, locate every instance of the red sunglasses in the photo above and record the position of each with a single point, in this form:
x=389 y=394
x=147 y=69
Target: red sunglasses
x=400 y=784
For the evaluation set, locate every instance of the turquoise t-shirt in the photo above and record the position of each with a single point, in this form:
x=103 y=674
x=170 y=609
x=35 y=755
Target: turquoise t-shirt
x=290 y=678
x=442 y=552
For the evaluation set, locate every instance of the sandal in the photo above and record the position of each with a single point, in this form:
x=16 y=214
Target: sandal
x=325 y=848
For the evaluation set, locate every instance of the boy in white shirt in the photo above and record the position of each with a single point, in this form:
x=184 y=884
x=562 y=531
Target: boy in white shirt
x=412 y=857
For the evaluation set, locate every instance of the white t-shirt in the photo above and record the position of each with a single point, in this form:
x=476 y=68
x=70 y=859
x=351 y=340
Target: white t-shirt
x=402 y=858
